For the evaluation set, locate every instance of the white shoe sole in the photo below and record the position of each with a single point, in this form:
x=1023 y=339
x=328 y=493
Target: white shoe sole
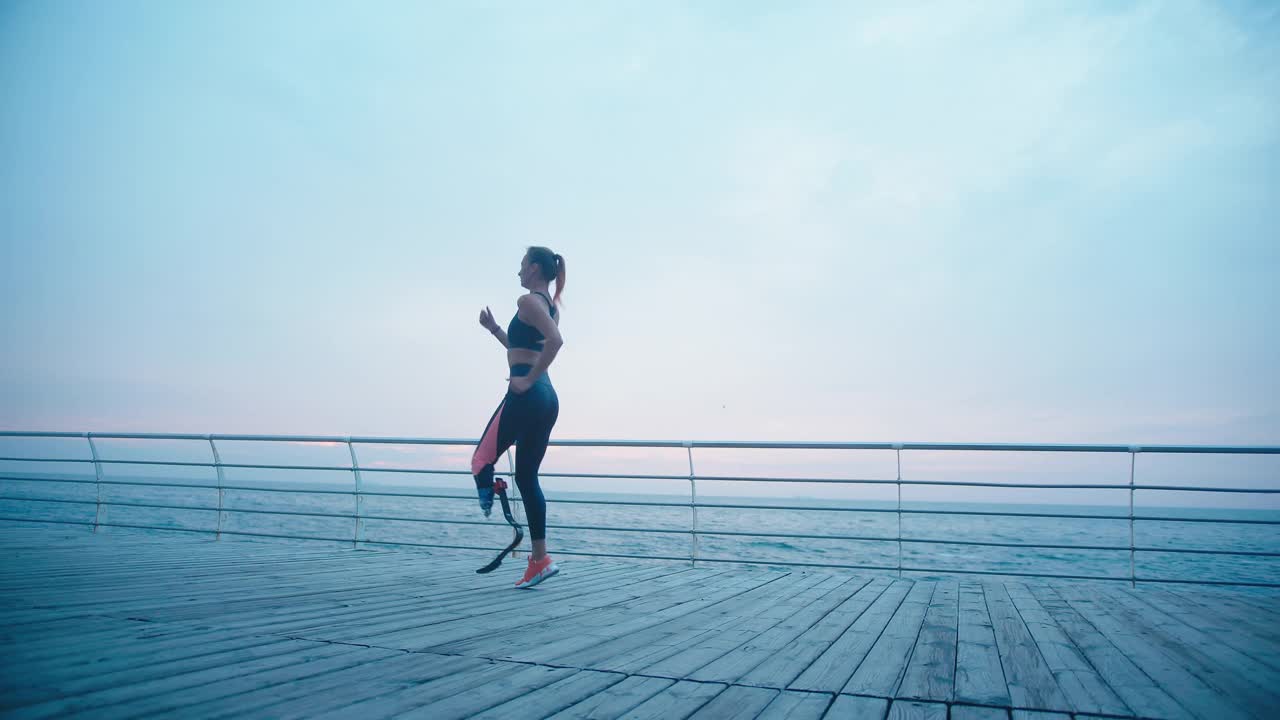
x=549 y=572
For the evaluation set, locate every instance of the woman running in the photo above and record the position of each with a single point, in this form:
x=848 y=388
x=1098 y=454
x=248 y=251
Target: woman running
x=529 y=410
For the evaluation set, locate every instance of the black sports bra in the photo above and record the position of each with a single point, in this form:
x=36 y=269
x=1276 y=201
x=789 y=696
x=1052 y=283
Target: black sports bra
x=523 y=335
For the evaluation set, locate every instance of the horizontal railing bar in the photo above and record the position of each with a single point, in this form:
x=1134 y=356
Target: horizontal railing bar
x=27 y=433
x=1147 y=518
x=613 y=476
x=186 y=530
x=49 y=500
x=44 y=459
x=58 y=522
x=246 y=466
x=471 y=498
x=1158 y=518
x=722 y=444
x=1202 y=551
x=419 y=471
x=1260 y=491
x=718 y=533
x=1084 y=577
x=867 y=567
x=1220 y=583
x=706 y=478
x=165 y=506
x=559 y=551
x=224 y=531
x=1084 y=517
x=980 y=483
x=196 y=463
x=181 y=485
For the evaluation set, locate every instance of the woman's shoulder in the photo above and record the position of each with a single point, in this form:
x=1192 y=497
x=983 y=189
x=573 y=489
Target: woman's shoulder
x=533 y=300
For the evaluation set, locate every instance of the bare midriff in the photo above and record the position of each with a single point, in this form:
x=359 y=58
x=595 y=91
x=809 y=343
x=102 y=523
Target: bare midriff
x=522 y=356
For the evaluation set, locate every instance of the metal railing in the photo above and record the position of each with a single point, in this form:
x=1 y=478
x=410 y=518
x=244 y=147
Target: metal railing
x=360 y=492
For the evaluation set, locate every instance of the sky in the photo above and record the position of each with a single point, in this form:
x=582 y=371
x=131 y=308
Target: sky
x=991 y=222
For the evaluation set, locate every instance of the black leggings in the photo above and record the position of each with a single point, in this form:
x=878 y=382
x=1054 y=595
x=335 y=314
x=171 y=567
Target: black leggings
x=525 y=420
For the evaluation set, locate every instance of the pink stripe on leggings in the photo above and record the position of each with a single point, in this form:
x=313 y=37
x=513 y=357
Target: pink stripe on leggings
x=487 y=451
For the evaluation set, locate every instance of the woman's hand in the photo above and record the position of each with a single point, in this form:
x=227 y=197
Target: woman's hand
x=486 y=320
x=520 y=385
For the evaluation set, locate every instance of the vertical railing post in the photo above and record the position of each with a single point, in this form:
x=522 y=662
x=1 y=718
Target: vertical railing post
x=693 y=506
x=1133 y=574
x=217 y=464
x=355 y=472
x=897 y=449
x=97 y=473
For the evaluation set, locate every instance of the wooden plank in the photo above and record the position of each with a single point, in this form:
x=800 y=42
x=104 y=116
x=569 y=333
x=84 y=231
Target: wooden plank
x=915 y=710
x=519 y=685
x=973 y=712
x=431 y=620
x=140 y=600
x=401 y=591
x=737 y=702
x=406 y=613
x=620 y=617
x=1219 y=665
x=746 y=657
x=793 y=705
x=853 y=707
x=109 y=665
x=538 y=611
x=433 y=698
x=1134 y=686
x=17 y=621
x=1255 y=616
x=212 y=606
x=1226 y=626
x=1083 y=687
x=245 y=663
x=823 y=658
x=930 y=673
x=107 y=586
x=302 y=699
x=625 y=637
x=552 y=698
x=979 y=674
x=616 y=700
x=179 y=701
x=1030 y=683
x=696 y=639
x=881 y=671
x=676 y=702
x=97 y=632
x=106 y=559
x=1175 y=680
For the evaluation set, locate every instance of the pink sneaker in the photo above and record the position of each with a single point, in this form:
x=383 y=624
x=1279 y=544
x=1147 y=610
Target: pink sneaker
x=536 y=572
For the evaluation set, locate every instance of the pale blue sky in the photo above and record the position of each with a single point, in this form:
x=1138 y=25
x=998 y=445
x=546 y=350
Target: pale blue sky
x=836 y=221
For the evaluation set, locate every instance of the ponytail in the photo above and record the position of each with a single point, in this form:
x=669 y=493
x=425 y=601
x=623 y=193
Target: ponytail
x=559 y=277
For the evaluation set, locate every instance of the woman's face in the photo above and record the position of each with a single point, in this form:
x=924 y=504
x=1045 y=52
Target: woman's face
x=526 y=271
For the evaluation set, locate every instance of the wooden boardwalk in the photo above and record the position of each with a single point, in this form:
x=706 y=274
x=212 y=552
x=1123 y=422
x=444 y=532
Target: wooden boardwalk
x=113 y=625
